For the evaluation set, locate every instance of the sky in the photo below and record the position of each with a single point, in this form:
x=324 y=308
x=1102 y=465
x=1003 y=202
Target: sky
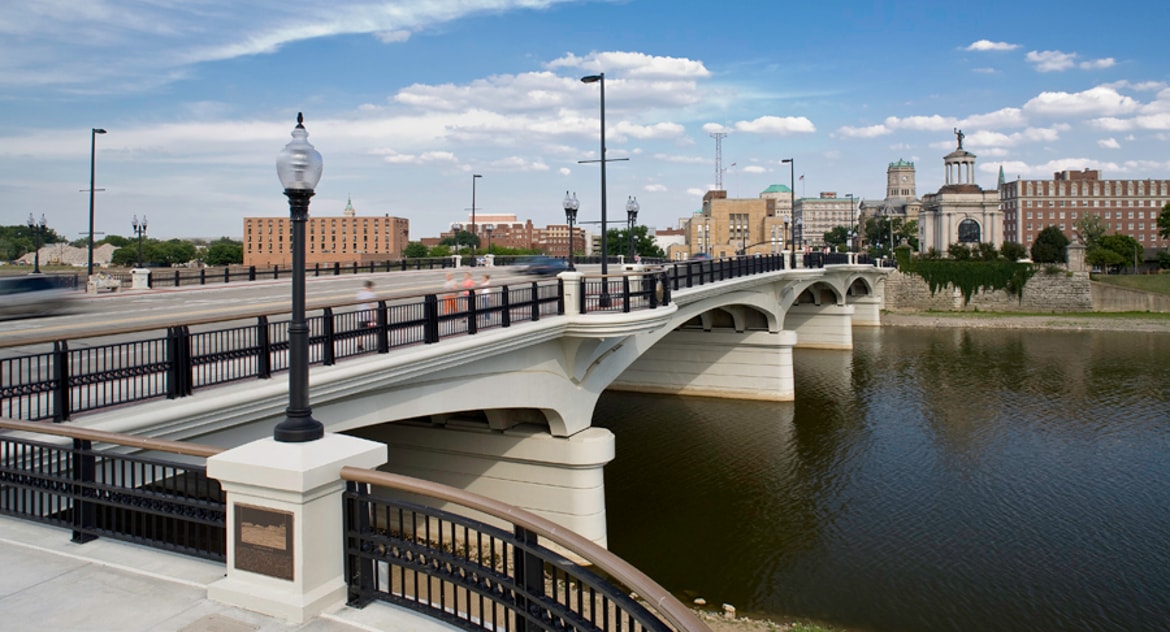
x=407 y=99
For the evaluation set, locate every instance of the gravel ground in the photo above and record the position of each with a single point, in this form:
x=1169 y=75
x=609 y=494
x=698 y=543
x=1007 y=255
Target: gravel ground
x=982 y=320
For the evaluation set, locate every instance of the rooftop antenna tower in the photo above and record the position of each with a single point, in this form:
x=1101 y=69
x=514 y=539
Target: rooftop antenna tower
x=718 y=136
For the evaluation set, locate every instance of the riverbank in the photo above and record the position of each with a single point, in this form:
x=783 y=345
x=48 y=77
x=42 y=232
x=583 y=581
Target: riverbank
x=1137 y=322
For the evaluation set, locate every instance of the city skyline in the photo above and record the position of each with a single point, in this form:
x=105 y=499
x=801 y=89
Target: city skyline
x=406 y=101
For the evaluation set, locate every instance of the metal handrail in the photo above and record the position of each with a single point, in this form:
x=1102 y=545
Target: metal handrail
x=673 y=610
x=113 y=438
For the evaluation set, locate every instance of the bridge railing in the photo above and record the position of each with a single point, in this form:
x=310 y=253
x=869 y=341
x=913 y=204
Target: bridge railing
x=480 y=576
x=625 y=292
x=158 y=502
x=684 y=274
x=439 y=562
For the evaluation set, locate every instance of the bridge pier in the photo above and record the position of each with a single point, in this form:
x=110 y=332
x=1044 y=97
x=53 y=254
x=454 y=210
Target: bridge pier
x=719 y=363
x=825 y=326
x=559 y=478
x=867 y=311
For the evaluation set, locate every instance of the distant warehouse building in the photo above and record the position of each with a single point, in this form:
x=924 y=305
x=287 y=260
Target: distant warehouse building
x=1126 y=207
x=346 y=240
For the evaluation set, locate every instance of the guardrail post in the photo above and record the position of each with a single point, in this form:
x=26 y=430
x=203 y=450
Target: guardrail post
x=383 y=332
x=317 y=269
x=202 y=276
x=62 y=402
x=83 y=467
x=179 y=370
x=431 y=316
x=529 y=571
x=505 y=311
x=535 y=305
x=359 y=567
x=328 y=354
x=263 y=349
x=626 y=293
x=469 y=296
x=251 y=273
x=336 y=268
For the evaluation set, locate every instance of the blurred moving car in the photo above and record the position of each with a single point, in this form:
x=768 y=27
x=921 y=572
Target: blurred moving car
x=700 y=255
x=545 y=266
x=31 y=295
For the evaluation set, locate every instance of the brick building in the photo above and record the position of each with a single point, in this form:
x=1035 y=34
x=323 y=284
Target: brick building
x=347 y=239
x=1126 y=207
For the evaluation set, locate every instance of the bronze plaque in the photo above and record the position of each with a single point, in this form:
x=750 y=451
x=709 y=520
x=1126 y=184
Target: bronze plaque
x=264 y=541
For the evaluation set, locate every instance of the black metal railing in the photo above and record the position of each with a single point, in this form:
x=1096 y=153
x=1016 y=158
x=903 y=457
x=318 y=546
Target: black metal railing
x=482 y=577
x=151 y=501
x=60 y=382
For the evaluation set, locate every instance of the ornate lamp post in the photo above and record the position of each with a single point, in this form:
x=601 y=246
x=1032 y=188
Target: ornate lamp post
x=571 y=205
x=787 y=244
x=488 y=230
x=38 y=229
x=139 y=229
x=632 y=213
x=474 y=177
x=92 y=155
x=299 y=167
x=852 y=221
x=796 y=232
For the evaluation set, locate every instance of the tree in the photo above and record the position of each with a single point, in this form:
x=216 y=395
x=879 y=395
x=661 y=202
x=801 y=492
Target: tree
x=415 y=250
x=1126 y=247
x=959 y=251
x=1091 y=229
x=985 y=251
x=1164 y=222
x=644 y=246
x=223 y=252
x=442 y=250
x=838 y=237
x=1051 y=246
x=1103 y=258
x=1013 y=251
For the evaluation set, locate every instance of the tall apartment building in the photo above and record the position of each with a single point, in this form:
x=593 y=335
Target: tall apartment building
x=347 y=239
x=726 y=226
x=820 y=215
x=1126 y=207
x=504 y=230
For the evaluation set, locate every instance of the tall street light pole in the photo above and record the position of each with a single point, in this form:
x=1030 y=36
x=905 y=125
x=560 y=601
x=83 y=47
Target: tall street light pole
x=571 y=205
x=604 y=298
x=852 y=221
x=796 y=225
x=632 y=213
x=38 y=231
x=139 y=229
x=93 y=132
x=299 y=167
x=474 y=231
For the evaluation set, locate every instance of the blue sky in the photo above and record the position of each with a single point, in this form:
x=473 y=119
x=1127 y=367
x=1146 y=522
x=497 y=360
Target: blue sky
x=407 y=99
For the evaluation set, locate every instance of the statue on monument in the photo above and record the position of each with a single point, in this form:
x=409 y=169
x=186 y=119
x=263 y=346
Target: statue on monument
x=959 y=134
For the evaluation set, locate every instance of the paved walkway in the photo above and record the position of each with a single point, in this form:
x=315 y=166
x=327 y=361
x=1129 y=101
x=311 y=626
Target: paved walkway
x=49 y=583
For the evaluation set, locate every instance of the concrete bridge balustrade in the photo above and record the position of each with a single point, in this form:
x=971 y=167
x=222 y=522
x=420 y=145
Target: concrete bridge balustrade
x=507 y=413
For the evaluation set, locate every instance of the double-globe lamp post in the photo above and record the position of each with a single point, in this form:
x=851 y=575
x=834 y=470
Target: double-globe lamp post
x=93 y=132
x=38 y=231
x=632 y=213
x=571 y=205
x=474 y=229
x=140 y=230
x=299 y=168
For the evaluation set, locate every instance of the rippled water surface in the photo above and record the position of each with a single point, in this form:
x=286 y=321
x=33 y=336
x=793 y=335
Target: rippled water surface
x=928 y=480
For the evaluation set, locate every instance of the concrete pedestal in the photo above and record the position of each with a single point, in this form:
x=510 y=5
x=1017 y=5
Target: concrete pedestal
x=285 y=529
x=821 y=326
x=140 y=278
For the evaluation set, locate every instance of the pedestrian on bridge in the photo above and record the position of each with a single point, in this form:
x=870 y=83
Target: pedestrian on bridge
x=449 y=287
x=366 y=318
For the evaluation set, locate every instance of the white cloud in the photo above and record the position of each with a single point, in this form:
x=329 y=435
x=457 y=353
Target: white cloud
x=642 y=132
x=777 y=125
x=517 y=163
x=715 y=128
x=871 y=131
x=1109 y=143
x=1097 y=64
x=1051 y=60
x=988 y=45
x=564 y=171
x=754 y=169
x=685 y=160
x=654 y=188
x=693 y=192
x=393 y=37
x=985 y=71
x=1094 y=101
x=1004 y=117
x=634 y=65
x=1112 y=124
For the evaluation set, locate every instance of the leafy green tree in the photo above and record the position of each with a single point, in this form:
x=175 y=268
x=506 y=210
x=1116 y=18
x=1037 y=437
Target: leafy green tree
x=415 y=250
x=1091 y=229
x=172 y=252
x=1164 y=222
x=985 y=251
x=461 y=239
x=959 y=252
x=1164 y=260
x=1013 y=251
x=117 y=241
x=909 y=234
x=1104 y=258
x=442 y=250
x=223 y=252
x=644 y=246
x=1127 y=247
x=838 y=238
x=1051 y=246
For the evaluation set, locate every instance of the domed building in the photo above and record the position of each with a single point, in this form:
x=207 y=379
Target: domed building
x=961 y=211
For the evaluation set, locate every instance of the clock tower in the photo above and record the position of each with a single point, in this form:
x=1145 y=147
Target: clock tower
x=900 y=180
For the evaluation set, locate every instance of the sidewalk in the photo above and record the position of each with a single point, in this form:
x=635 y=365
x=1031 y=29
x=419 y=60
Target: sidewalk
x=51 y=583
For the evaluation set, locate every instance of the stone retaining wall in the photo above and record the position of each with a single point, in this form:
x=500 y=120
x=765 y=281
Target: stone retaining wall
x=1044 y=292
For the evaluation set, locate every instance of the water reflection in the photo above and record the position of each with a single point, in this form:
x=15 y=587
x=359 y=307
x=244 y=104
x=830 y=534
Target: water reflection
x=931 y=479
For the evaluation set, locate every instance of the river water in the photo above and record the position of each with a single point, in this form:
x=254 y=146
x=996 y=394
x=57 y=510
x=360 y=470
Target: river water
x=929 y=479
